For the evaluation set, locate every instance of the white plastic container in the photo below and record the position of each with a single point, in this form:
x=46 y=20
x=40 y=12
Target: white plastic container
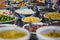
x=42 y=30
x=16 y=28
x=40 y=23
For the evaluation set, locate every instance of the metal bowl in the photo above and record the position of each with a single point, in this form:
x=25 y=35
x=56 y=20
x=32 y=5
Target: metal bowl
x=24 y=14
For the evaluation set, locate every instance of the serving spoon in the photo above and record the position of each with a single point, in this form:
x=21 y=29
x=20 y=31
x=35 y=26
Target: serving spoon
x=30 y=25
x=50 y=21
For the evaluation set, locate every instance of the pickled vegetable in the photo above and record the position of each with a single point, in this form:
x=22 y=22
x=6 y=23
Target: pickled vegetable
x=52 y=34
x=4 y=18
x=12 y=34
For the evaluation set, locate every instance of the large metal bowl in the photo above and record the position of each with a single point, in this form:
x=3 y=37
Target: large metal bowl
x=24 y=14
x=52 y=13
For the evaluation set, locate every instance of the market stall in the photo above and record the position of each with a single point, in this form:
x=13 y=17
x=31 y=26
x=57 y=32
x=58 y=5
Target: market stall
x=29 y=20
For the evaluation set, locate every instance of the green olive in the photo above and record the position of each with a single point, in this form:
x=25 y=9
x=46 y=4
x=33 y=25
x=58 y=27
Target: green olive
x=4 y=18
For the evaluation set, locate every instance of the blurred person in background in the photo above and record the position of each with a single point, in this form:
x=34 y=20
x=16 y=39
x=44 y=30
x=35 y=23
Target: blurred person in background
x=52 y=4
x=56 y=4
x=2 y=3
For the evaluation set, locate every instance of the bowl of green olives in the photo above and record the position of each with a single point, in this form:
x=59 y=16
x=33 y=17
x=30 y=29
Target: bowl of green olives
x=7 y=18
